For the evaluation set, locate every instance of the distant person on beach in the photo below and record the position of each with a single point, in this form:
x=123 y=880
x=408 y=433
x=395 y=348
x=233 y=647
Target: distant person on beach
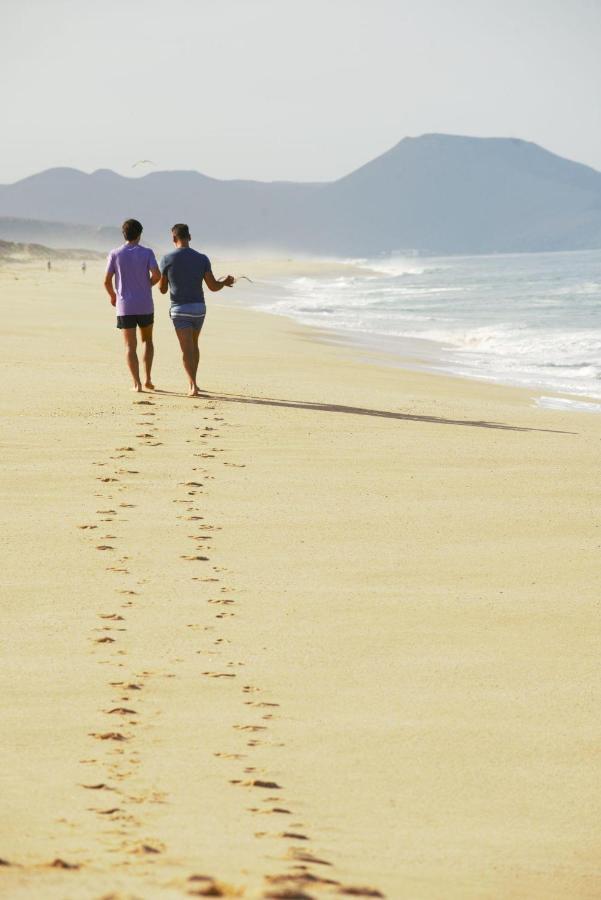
x=135 y=271
x=182 y=274
x=49 y=265
x=84 y=267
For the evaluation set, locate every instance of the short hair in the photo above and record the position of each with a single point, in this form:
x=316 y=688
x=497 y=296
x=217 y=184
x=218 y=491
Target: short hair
x=181 y=232
x=132 y=229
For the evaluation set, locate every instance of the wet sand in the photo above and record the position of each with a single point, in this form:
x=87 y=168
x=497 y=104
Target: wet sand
x=329 y=630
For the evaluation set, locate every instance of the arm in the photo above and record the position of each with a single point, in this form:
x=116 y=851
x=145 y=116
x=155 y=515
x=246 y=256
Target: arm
x=214 y=285
x=108 y=286
x=164 y=283
x=155 y=276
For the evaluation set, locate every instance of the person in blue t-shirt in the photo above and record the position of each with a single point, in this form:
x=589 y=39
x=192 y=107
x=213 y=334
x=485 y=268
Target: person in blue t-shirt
x=182 y=274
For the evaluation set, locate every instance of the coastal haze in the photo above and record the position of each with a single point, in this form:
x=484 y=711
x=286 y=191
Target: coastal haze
x=433 y=194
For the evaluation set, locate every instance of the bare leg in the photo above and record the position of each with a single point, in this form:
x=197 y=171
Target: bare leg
x=146 y=336
x=188 y=341
x=195 y=336
x=131 y=355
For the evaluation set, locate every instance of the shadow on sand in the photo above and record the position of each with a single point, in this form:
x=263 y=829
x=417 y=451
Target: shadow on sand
x=362 y=411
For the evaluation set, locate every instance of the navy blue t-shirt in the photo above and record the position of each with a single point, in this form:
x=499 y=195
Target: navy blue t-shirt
x=185 y=269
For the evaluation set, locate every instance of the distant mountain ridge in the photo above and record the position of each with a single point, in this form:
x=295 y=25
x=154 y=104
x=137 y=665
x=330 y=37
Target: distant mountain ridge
x=433 y=194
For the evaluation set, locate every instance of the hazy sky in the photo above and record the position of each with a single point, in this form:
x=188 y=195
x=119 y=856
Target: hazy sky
x=289 y=89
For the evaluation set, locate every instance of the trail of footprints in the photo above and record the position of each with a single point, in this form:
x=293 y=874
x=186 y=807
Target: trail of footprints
x=301 y=874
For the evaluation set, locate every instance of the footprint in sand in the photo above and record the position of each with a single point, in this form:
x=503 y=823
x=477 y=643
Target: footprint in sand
x=61 y=864
x=219 y=674
x=200 y=558
x=149 y=848
x=105 y=640
x=104 y=547
x=210 y=887
x=259 y=703
x=97 y=787
x=288 y=894
x=301 y=855
x=127 y=687
x=108 y=736
x=359 y=892
x=297 y=880
x=87 y=526
x=276 y=810
x=259 y=783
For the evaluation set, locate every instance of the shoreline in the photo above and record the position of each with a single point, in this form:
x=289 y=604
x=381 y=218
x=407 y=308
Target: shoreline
x=340 y=615
x=402 y=351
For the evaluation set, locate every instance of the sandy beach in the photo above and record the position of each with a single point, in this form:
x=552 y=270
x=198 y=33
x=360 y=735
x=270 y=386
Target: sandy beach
x=330 y=630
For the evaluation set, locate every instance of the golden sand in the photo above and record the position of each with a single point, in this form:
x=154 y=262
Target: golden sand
x=332 y=627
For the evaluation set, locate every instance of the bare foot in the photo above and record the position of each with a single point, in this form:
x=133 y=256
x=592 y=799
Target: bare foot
x=194 y=391
x=149 y=385
x=137 y=388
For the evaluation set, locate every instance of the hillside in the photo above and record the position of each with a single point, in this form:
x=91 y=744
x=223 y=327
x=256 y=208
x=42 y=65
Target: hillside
x=58 y=234
x=434 y=194
x=16 y=252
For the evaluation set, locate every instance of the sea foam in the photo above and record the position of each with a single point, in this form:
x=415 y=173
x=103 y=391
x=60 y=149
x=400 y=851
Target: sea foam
x=529 y=319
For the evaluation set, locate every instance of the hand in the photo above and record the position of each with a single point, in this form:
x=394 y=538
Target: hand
x=229 y=280
x=114 y=300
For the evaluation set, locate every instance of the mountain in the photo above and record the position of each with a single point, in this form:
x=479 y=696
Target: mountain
x=434 y=194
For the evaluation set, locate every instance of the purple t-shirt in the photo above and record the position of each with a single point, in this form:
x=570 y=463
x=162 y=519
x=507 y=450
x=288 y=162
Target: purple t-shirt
x=131 y=265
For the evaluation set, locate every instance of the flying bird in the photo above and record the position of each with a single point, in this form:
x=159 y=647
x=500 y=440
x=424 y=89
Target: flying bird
x=143 y=162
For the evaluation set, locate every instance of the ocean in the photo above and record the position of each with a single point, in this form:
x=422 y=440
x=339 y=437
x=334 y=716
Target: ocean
x=523 y=319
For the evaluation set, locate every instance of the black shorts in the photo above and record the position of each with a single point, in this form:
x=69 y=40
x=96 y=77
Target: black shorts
x=132 y=321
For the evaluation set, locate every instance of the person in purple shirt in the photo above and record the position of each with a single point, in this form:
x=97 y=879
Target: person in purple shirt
x=135 y=271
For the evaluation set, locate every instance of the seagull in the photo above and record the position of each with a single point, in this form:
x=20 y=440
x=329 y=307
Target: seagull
x=143 y=162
